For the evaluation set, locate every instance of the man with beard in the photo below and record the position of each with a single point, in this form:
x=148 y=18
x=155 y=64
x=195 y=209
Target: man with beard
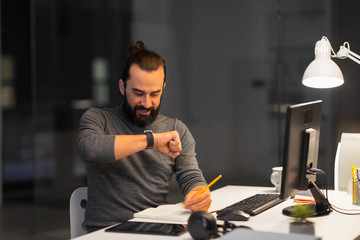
x=131 y=151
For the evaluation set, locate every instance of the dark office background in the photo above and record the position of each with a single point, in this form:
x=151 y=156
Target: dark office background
x=233 y=67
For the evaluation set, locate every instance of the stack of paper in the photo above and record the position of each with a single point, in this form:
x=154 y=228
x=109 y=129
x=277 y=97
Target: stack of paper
x=304 y=199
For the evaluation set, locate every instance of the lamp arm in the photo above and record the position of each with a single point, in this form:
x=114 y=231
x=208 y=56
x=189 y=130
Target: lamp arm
x=344 y=52
x=355 y=57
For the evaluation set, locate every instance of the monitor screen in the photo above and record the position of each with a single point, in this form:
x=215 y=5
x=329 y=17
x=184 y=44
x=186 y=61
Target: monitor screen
x=301 y=148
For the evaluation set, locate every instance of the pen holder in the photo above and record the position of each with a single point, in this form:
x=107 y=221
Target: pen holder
x=356 y=193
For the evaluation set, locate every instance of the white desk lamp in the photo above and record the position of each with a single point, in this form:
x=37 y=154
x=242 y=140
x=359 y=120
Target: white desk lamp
x=323 y=72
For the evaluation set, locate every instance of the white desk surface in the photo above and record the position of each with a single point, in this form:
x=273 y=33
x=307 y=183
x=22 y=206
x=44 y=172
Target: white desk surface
x=333 y=226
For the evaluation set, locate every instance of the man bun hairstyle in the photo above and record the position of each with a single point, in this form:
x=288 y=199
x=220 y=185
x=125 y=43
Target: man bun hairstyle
x=136 y=46
x=147 y=60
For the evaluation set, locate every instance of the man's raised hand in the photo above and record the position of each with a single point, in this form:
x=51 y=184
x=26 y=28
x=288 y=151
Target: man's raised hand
x=168 y=143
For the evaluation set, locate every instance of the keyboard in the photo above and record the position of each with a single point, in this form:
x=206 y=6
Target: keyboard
x=255 y=204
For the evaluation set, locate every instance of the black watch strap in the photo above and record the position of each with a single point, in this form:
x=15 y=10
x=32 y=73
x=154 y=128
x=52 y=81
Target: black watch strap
x=150 y=139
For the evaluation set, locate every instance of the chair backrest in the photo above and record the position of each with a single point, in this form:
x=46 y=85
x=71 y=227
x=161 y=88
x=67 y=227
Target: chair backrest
x=78 y=202
x=347 y=155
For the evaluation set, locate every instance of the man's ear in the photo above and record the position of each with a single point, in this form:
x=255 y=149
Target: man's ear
x=164 y=85
x=122 y=87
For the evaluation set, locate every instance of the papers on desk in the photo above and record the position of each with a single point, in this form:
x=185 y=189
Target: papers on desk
x=168 y=212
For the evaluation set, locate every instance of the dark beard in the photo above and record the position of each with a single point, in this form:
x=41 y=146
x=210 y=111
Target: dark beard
x=140 y=121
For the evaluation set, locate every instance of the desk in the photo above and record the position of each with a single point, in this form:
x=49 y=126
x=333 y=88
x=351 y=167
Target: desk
x=334 y=226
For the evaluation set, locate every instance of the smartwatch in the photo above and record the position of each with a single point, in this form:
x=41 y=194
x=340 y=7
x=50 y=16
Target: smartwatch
x=150 y=139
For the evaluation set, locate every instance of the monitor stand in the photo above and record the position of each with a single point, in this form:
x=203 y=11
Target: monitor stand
x=321 y=207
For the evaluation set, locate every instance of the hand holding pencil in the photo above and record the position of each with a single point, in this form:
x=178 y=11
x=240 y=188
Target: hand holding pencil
x=198 y=199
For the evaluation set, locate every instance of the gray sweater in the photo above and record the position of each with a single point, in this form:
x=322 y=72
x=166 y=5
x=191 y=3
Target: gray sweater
x=119 y=188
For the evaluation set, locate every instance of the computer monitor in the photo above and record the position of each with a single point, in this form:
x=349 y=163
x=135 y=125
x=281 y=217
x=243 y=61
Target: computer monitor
x=300 y=157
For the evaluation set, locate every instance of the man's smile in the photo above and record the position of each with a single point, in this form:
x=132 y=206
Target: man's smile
x=143 y=112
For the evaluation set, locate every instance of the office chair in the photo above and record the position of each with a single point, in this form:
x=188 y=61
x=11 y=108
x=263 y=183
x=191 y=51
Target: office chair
x=347 y=155
x=78 y=202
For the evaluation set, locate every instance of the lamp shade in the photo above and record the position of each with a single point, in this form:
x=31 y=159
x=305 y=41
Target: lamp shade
x=323 y=72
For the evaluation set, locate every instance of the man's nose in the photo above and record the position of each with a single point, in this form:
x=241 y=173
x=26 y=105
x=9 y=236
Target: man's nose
x=146 y=101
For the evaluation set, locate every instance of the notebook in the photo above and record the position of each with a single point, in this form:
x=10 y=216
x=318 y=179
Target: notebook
x=168 y=212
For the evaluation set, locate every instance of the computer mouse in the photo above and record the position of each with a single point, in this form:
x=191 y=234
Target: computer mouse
x=233 y=215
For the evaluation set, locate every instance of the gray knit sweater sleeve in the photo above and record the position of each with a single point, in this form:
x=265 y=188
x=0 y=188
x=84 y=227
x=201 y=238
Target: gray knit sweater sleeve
x=95 y=143
x=187 y=171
